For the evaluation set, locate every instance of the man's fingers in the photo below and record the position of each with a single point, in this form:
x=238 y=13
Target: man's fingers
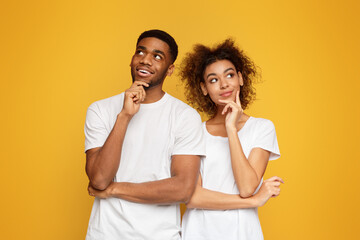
x=136 y=95
x=140 y=83
x=139 y=91
x=143 y=94
x=90 y=191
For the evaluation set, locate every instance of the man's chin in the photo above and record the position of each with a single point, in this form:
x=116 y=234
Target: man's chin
x=146 y=88
x=141 y=80
x=151 y=84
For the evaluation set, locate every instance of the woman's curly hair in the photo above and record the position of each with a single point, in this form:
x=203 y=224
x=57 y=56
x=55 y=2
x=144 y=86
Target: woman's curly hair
x=193 y=67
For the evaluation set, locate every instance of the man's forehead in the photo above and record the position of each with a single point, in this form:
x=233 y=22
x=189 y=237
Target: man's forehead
x=152 y=43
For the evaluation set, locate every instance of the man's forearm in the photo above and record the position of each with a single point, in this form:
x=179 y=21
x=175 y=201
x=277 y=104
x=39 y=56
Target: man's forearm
x=177 y=188
x=102 y=164
x=163 y=191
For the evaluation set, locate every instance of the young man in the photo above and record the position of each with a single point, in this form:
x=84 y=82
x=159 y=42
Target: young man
x=143 y=151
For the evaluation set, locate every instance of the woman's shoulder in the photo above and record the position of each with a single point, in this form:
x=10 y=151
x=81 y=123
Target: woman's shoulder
x=260 y=120
x=260 y=123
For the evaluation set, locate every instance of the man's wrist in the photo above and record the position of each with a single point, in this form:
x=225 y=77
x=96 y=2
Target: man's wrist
x=124 y=116
x=111 y=190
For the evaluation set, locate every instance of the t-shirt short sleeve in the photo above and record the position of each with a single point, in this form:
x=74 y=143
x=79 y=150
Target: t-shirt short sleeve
x=189 y=136
x=265 y=138
x=95 y=131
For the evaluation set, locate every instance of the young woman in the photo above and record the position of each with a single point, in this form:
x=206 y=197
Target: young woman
x=238 y=147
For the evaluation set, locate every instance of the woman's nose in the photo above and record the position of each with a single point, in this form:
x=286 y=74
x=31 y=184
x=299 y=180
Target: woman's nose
x=223 y=83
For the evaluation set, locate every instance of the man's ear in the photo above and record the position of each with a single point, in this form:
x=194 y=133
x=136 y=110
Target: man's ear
x=170 y=70
x=241 y=81
x=203 y=89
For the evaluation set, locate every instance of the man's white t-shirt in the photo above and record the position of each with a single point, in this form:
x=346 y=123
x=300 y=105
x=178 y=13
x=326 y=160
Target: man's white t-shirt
x=217 y=175
x=155 y=133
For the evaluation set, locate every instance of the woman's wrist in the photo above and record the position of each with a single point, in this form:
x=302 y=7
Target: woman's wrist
x=250 y=202
x=230 y=128
x=254 y=201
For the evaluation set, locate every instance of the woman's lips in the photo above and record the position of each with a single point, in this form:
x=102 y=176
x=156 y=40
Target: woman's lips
x=226 y=94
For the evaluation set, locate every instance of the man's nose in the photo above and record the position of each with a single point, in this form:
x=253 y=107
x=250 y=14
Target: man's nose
x=146 y=59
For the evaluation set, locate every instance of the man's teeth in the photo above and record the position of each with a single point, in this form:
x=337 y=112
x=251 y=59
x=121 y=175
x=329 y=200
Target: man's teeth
x=144 y=71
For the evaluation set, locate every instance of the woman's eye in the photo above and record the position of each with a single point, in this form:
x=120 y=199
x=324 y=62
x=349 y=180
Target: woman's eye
x=230 y=75
x=213 y=80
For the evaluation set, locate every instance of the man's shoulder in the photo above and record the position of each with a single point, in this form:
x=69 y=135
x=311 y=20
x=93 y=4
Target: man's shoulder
x=180 y=106
x=110 y=102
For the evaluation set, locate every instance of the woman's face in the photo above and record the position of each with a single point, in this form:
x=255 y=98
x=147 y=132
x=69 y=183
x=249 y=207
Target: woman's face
x=221 y=81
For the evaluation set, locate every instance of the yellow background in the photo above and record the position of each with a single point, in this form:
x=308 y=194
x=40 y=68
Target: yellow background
x=57 y=57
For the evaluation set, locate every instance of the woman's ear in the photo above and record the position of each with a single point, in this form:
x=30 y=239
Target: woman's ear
x=203 y=89
x=241 y=81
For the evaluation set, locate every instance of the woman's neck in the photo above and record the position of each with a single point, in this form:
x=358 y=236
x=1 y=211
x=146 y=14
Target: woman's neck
x=219 y=118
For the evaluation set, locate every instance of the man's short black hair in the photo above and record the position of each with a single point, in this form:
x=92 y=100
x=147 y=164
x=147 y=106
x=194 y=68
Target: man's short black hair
x=163 y=36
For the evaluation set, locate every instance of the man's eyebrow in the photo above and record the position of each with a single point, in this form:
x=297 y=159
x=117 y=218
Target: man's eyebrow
x=160 y=52
x=141 y=47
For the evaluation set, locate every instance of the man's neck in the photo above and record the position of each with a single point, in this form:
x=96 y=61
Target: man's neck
x=153 y=94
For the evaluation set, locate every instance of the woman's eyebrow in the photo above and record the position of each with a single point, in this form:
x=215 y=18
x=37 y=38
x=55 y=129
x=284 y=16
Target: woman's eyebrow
x=210 y=74
x=230 y=68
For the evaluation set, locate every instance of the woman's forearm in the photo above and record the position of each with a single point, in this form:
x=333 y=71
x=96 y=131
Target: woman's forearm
x=245 y=176
x=212 y=200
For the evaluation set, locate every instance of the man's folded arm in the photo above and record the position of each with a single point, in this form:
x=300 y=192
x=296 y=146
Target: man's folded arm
x=103 y=162
x=178 y=188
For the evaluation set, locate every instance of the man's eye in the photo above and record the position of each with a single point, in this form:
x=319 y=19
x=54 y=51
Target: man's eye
x=158 y=57
x=139 y=52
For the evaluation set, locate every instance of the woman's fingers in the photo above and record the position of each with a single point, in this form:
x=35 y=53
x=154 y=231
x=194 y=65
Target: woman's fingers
x=238 y=98
x=224 y=101
x=275 y=178
x=273 y=185
x=231 y=105
x=276 y=193
x=226 y=108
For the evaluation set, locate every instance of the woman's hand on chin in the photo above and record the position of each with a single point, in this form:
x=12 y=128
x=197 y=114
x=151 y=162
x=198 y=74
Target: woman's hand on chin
x=233 y=111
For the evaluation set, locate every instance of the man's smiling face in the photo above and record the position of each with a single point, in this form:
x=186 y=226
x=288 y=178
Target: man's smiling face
x=151 y=62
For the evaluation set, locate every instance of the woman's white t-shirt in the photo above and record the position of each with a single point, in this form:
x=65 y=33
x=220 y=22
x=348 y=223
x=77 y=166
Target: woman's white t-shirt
x=217 y=175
